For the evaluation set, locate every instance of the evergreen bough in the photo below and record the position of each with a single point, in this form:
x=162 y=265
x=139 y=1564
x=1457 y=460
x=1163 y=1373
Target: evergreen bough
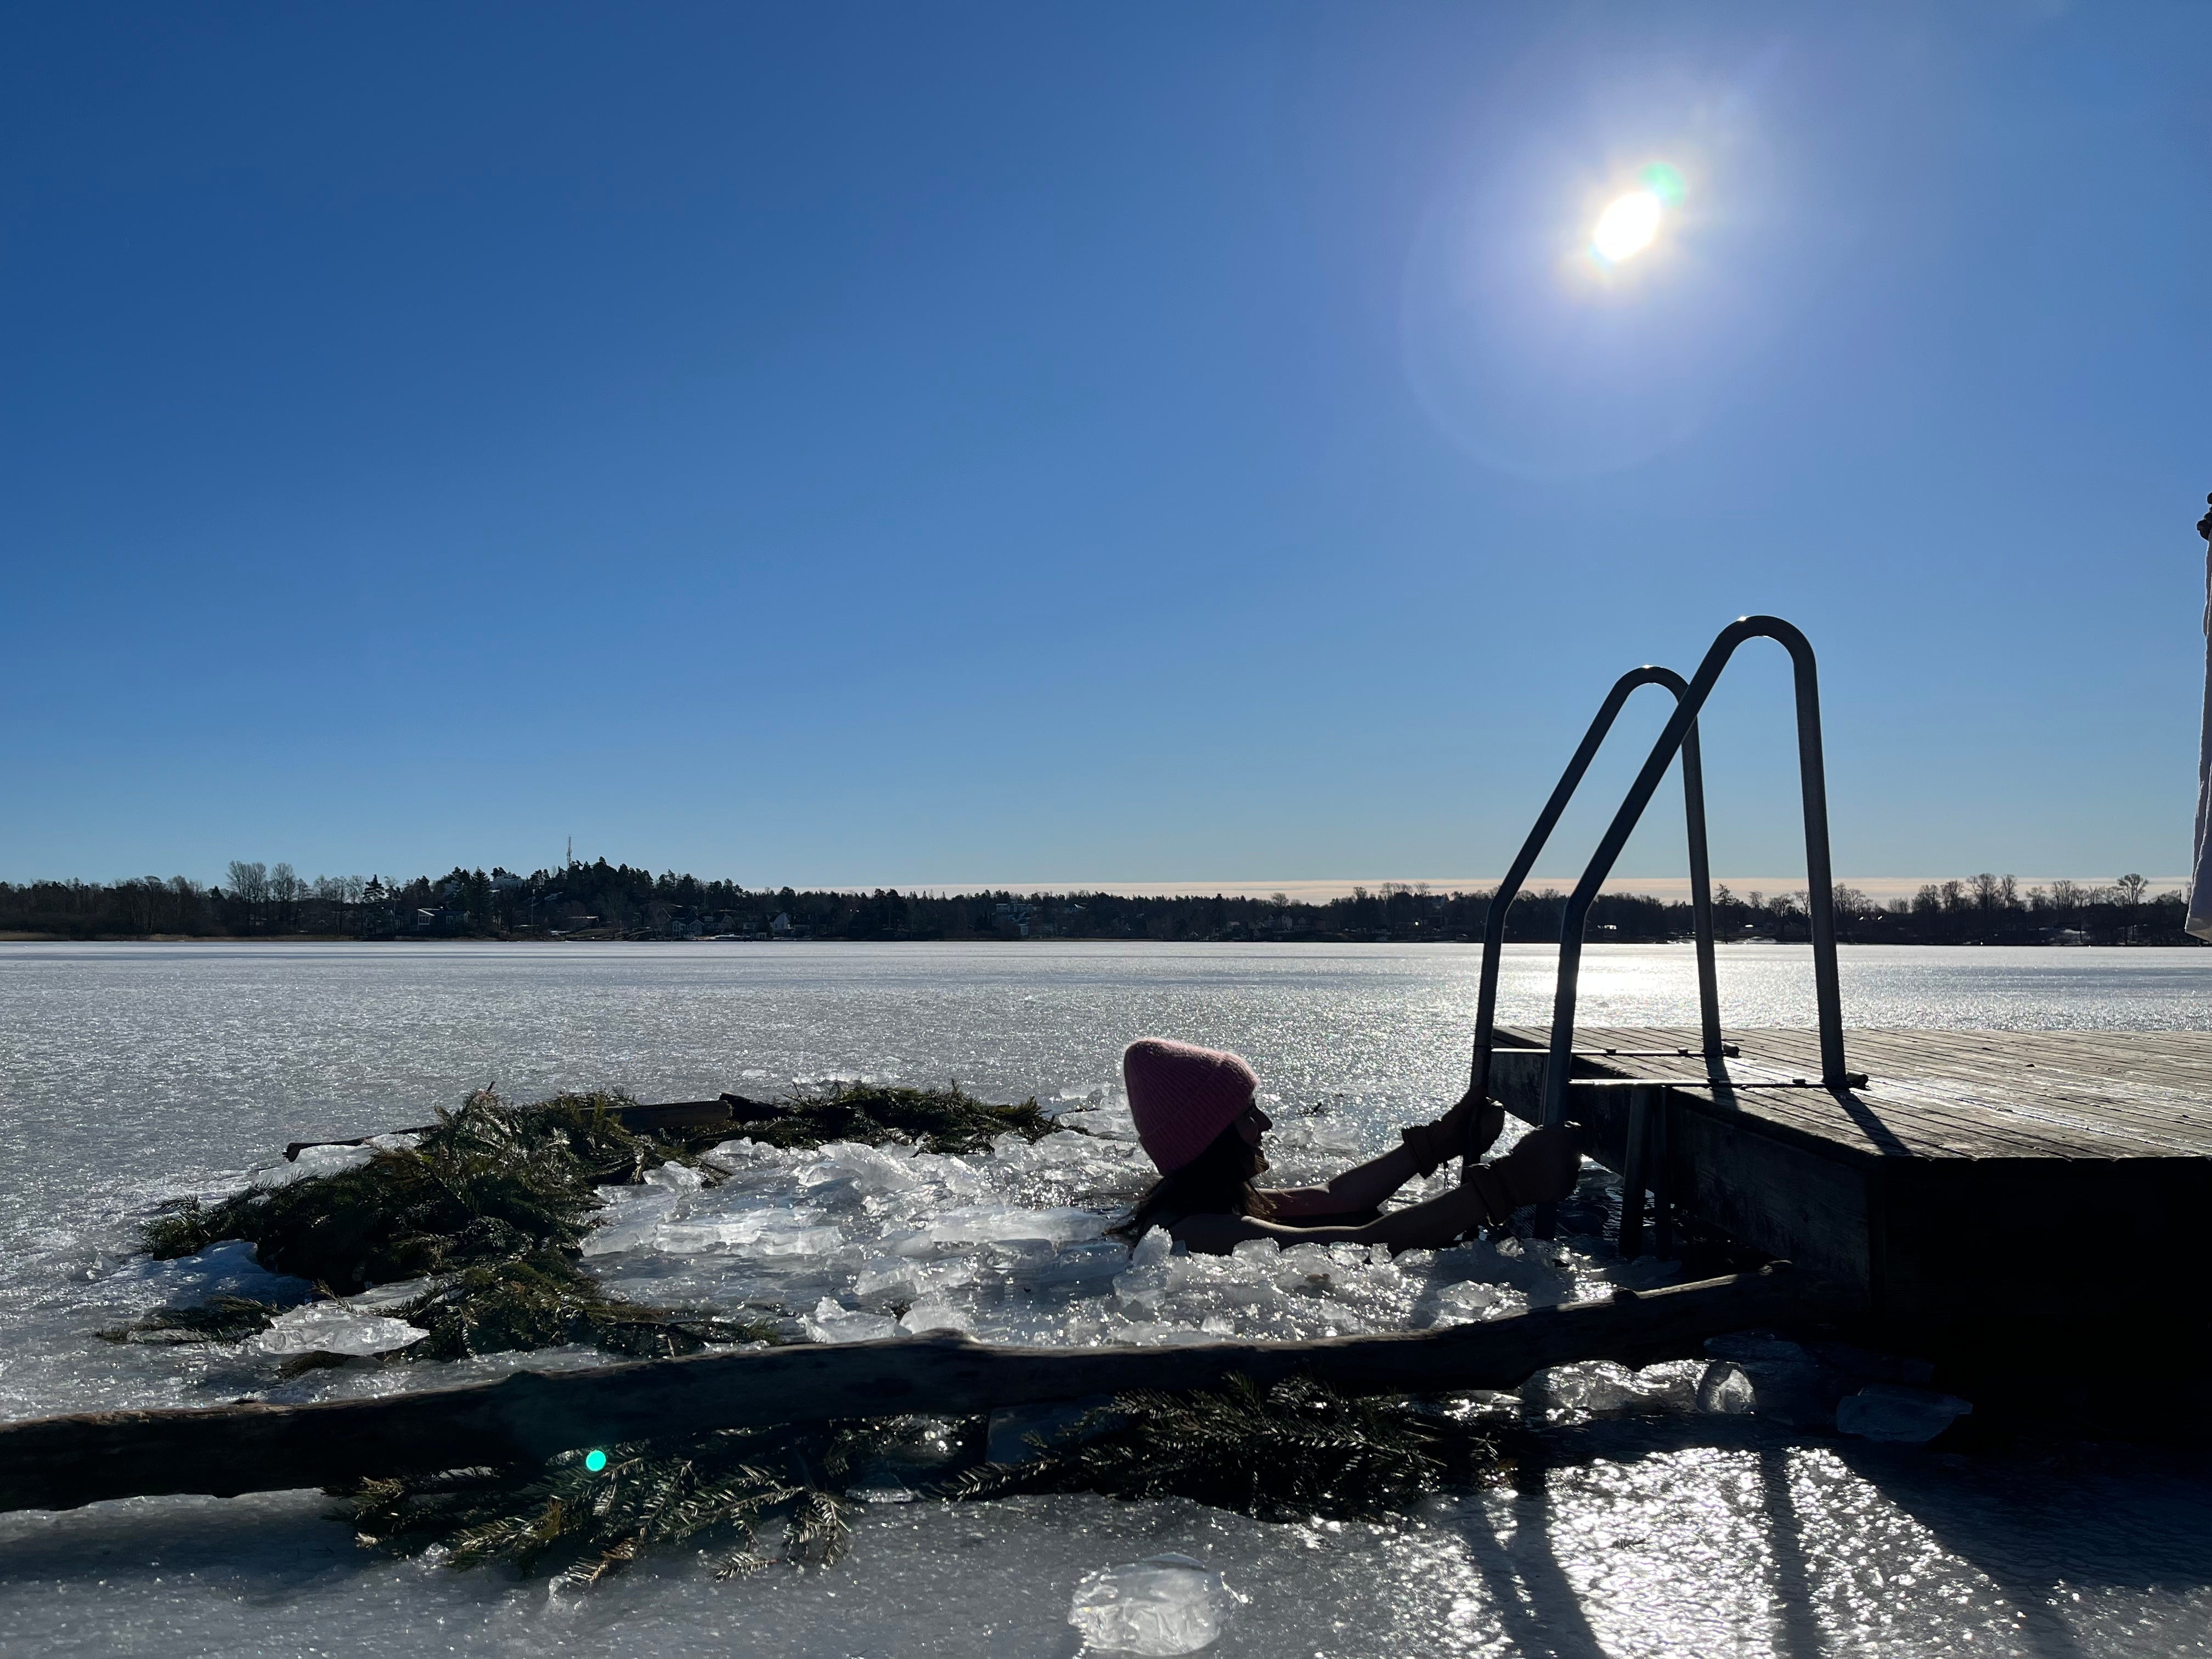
x=934 y=1120
x=491 y=1206
x=1296 y=1450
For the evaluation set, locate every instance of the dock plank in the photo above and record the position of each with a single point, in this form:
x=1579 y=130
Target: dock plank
x=1917 y=1185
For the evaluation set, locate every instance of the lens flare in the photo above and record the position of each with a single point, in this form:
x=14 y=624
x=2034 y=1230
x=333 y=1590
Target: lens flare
x=1627 y=226
x=1665 y=183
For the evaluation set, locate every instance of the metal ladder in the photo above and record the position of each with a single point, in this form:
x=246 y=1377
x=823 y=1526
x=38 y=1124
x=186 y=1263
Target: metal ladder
x=1679 y=735
x=1701 y=901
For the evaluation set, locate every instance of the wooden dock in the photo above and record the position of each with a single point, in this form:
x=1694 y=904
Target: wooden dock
x=1993 y=1181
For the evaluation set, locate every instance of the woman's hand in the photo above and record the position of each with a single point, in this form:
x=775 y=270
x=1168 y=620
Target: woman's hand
x=1217 y=1234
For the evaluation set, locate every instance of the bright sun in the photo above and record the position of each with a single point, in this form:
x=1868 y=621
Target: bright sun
x=1627 y=226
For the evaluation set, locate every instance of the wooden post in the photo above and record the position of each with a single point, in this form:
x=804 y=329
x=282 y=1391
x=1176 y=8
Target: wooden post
x=61 y=1462
x=1633 y=1175
x=1662 y=1180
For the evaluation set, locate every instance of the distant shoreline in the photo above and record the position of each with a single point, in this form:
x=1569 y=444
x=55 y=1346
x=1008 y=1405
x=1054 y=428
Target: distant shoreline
x=604 y=902
x=286 y=940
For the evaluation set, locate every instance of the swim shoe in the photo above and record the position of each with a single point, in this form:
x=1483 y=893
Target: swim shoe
x=1541 y=1168
x=1437 y=1143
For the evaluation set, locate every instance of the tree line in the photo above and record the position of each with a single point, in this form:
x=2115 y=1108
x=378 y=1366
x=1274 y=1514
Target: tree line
x=603 y=901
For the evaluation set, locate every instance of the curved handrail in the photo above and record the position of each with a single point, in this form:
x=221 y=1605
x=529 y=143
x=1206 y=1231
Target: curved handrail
x=1813 y=784
x=1693 y=806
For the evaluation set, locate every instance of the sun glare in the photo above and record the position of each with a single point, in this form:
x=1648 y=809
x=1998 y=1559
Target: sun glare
x=1627 y=226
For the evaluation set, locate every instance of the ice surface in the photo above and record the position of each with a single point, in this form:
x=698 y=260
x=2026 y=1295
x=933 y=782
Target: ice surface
x=230 y=1269
x=333 y=1327
x=1163 y=1604
x=1655 y=1537
x=1899 y=1412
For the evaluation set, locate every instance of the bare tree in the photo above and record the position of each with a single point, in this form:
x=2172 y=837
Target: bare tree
x=184 y=895
x=2130 y=889
x=249 y=885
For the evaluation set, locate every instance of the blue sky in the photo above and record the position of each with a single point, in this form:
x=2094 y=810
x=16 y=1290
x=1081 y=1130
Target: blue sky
x=927 y=444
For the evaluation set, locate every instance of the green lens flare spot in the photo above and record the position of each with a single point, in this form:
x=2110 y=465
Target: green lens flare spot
x=595 y=1460
x=1664 y=182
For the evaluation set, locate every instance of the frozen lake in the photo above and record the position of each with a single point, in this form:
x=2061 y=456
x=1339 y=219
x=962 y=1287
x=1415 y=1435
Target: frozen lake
x=132 y=1073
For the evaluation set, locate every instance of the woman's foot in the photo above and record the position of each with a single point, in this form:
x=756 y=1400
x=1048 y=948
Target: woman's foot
x=1489 y=1124
x=1541 y=1168
x=1448 y=1138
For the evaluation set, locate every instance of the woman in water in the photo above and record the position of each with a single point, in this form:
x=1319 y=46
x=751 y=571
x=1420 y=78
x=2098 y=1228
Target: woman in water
x=1198 y=1117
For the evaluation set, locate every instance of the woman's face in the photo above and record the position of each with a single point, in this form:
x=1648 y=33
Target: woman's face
x=1254 y=1124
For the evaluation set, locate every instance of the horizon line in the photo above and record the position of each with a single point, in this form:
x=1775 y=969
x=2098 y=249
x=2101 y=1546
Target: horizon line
x=1321 y=890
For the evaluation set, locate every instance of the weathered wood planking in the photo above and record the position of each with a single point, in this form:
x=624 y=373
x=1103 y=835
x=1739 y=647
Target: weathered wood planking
x=1978 y=1175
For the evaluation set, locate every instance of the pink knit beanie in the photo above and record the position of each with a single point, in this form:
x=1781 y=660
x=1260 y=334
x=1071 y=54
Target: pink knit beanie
x=1182 y=1095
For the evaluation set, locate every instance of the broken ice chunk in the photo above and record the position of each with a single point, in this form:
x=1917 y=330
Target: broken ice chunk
x=1898 y=1411
x=1161 y=1605
x=933 y=1316
x=332 y=1328
x=1144 y=1287
x=1315 y=1135
x=1596 y=1386
x=867 y=1169
x=831 y=1323
x=984 y=1224
x=397 y=1293
x=1725 y=1389
x=895 y=1278
x=757 y=1232
x=734 y=1155
x=634 y=1213
x=312 y=1163
x=1112 y=1122
x=1466 y=1302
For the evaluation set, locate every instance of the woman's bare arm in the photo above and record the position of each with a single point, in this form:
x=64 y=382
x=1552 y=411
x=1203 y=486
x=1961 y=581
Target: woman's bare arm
x=1363 y=1187
x=1429 y=1225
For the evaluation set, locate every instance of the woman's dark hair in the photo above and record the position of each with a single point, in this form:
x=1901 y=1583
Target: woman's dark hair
x=1218 y=1182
